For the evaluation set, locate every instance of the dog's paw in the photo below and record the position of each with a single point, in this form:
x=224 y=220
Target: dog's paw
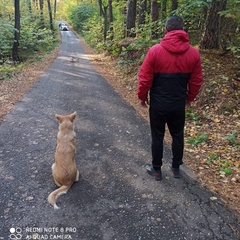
x=77 y=177
x=56 y=207
x=53 y=166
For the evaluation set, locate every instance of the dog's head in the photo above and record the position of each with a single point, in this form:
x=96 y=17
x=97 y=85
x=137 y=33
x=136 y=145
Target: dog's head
x=66 y=120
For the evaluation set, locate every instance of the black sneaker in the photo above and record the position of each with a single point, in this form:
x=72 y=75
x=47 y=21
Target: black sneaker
x=157 y=174
x=176 y=172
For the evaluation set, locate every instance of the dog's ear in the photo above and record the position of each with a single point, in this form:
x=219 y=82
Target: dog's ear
x=58 y=117
x=73 y=115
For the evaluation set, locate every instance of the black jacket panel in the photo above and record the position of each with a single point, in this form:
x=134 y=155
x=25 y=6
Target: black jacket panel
x=168 y=92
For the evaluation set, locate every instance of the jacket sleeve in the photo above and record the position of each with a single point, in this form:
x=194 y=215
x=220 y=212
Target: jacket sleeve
x=146 y=75
x=195 y=80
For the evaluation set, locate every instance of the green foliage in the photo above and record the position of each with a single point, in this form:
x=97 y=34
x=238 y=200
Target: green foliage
x=79 y=16
x=113 y=47
x=6 y=39
x=225 y=168
x=212 y=157
x=235 y=50
x=232 y=14
x=224 y=165
x=198 y=139
x=85 y=19
x=92 y=30
x=233 y=10
x=232 y=138
x=192 y=12
x=123 y=62
x=7 y=70
x=191 y=115
x=33 y=36
x=119 y=21
x=141 y=44
x=35 y=39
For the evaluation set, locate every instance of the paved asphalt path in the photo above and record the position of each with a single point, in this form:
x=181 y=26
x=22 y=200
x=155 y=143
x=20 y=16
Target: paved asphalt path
x=115 y=197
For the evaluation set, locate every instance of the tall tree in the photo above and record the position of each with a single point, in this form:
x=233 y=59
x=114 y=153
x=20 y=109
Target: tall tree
x=50 y=14
x=110 y=19
x=100 y=3
x=131 y=18
x=15 y=55
x=155 y=6
x=142 y=12
x=163 y=9
x=174 y=5
x=103 y=13
x=211 y=37
x=55 y=8
x=41 y=13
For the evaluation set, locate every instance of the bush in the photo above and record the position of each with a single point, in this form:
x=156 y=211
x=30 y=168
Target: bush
x=79 y=15
x=36 y=39
x=6 y=39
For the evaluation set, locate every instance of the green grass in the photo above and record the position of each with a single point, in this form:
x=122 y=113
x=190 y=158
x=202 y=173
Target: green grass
x=199 y=139
x=232 y=138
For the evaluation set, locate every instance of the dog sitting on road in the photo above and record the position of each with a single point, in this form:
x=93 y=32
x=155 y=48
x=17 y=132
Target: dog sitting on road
x=64 y=170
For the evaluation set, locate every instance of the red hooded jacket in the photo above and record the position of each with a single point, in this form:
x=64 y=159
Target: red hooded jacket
x=172 y=72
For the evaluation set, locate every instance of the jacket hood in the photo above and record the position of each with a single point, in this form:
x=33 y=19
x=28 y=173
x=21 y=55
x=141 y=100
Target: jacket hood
x=176 y=41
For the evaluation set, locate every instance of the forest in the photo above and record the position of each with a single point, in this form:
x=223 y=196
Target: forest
x=116 y=26
x=120 y=33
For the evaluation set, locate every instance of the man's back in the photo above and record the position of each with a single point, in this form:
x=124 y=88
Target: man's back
x=170 y=67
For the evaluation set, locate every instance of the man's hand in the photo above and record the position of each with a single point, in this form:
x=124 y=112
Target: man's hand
x=144 y=103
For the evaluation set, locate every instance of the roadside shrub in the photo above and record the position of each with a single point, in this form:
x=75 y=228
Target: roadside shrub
x=6 y=40
x=79 y=15
x=36 y=39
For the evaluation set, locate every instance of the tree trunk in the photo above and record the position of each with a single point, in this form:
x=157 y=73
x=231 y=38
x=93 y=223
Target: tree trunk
x=211 y=38
x=155 y=6
x=103 y=13
x=50 y=15
x=142 y=12
x=131 y=18
x=41 y=13
x=174 y=5
x=105 y=22
x=55 y=9
x=163 y=9
x=110 y=19
x=15 y=55
x=100 y=8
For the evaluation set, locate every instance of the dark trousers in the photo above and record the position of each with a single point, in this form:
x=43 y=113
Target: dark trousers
x=175 y=121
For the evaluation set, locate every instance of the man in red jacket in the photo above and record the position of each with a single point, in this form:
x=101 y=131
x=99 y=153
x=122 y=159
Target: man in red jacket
x=172 y=73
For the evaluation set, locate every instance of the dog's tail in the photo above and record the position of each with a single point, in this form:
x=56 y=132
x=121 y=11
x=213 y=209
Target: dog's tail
x=53 y=196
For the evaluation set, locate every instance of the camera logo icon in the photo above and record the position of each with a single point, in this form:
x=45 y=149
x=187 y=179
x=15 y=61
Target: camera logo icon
x=15 y=233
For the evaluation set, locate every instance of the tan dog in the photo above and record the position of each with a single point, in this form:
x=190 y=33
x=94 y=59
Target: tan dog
x=64 y=170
